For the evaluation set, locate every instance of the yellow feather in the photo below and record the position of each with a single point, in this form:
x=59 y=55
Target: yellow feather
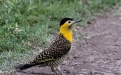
x=67 y=33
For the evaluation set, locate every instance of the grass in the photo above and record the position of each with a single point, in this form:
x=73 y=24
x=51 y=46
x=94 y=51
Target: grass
x=25 y=24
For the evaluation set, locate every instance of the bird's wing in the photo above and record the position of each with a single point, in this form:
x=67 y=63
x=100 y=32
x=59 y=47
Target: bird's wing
x=52 y=53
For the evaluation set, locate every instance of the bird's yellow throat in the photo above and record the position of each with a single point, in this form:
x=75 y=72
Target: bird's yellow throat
x=67 y=33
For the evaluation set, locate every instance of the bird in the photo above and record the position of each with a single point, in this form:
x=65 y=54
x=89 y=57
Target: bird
x=58 y=50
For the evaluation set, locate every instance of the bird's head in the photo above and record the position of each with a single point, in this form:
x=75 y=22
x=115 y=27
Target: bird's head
x=68 y=23
x=66 y=27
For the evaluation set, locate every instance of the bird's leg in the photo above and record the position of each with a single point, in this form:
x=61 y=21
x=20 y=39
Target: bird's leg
x=59 y=70
x=55 y=71
x=52 y=69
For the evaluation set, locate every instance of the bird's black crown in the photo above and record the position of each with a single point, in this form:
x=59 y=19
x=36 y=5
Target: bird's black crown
x=64 y=20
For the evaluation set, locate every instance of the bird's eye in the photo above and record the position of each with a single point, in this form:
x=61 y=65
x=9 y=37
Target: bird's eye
x=69 y=21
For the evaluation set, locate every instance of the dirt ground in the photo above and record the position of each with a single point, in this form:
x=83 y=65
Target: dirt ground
x=98 y=54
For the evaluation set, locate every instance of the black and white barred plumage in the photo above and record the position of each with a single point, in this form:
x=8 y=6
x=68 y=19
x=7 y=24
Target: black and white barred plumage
x=51 y=57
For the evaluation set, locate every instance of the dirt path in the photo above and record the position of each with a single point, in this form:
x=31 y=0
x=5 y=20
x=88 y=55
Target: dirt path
x=98 y=54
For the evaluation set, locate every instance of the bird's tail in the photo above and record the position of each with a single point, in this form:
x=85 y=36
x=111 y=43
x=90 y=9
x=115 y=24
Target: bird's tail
x=24 y=66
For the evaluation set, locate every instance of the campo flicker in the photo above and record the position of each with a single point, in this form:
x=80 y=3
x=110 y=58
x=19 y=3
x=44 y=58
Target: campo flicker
x=58 y=50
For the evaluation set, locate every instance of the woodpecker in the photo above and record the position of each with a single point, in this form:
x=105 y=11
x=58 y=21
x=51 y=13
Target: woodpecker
x=58 y=50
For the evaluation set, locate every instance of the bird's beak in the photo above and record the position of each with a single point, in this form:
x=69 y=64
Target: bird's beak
x=77 y=21
x=71 y=25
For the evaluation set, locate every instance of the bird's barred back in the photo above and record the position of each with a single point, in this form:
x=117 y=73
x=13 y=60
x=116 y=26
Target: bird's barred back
x=55 y=53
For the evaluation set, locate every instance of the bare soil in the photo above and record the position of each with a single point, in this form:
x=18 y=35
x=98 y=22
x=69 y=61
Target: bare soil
x=98 y=54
